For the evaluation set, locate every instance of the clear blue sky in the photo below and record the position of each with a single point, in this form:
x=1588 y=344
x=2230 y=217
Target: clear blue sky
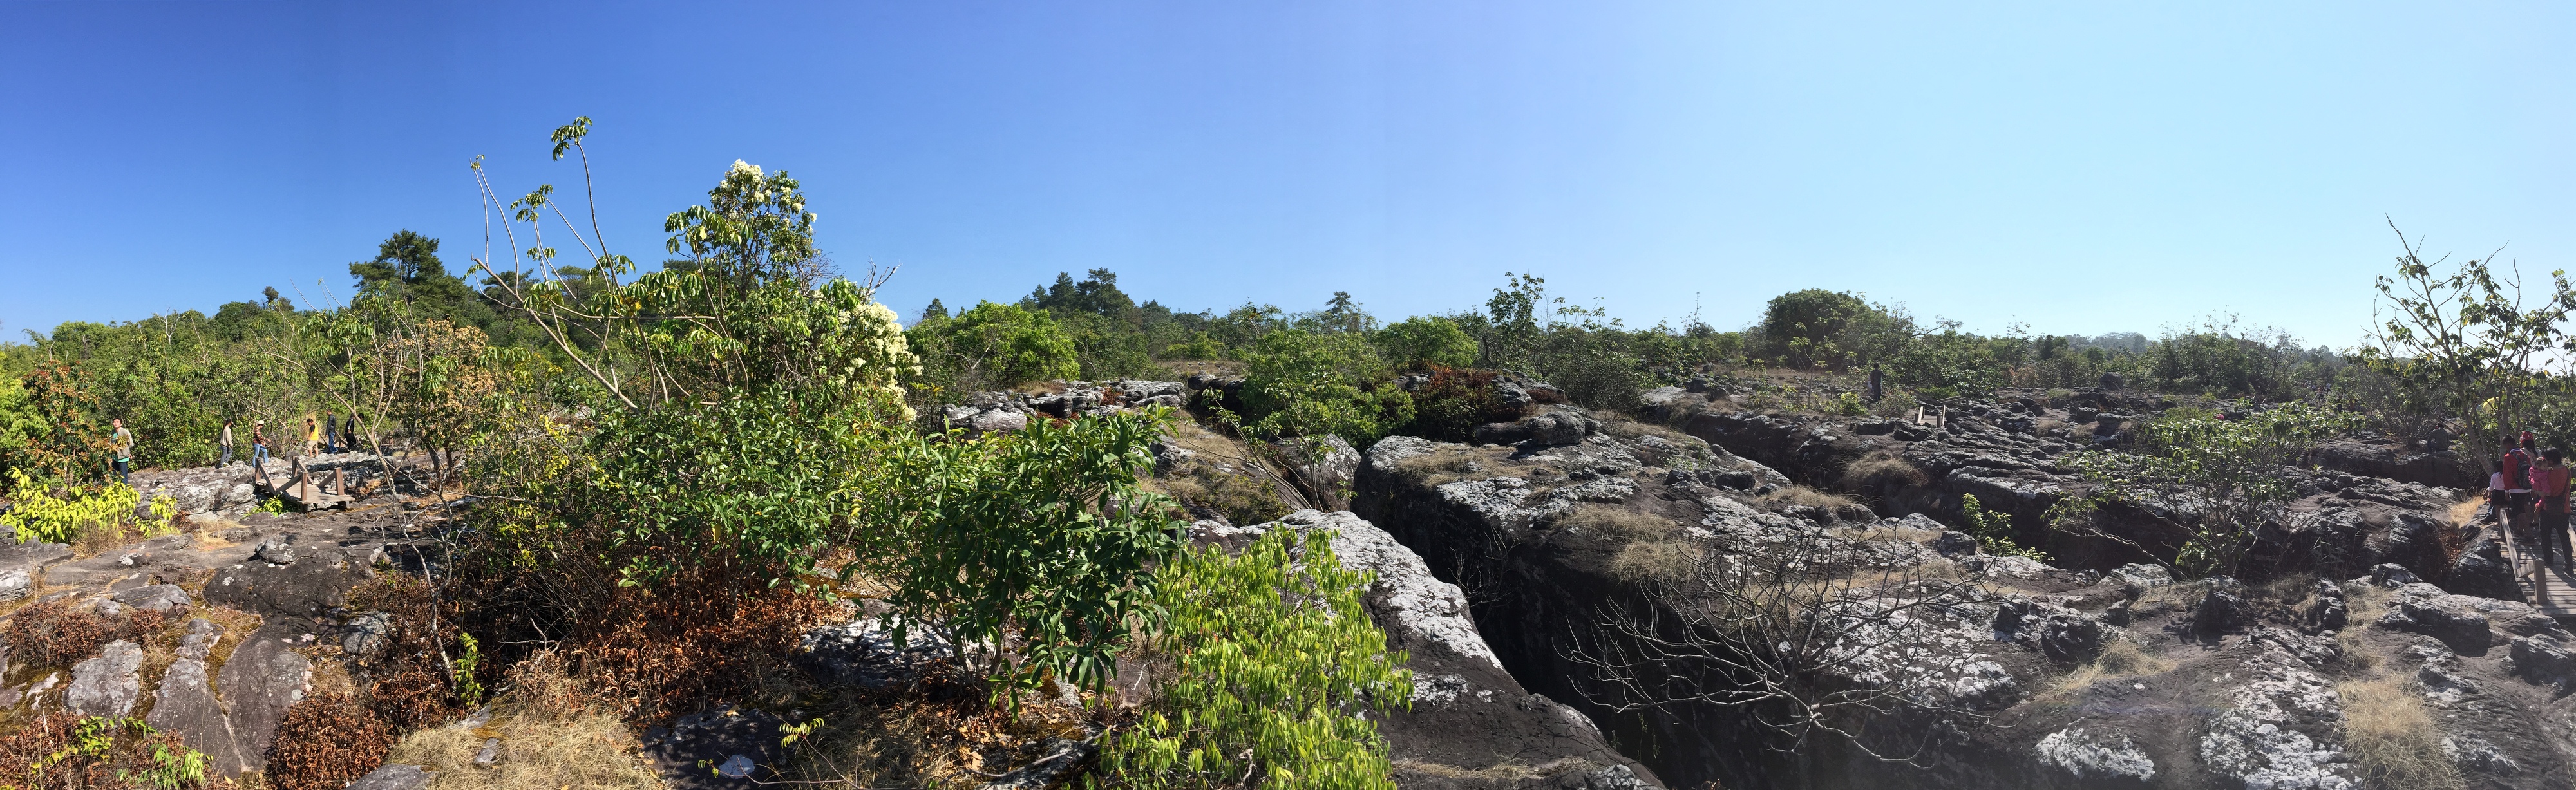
x=2082 y=167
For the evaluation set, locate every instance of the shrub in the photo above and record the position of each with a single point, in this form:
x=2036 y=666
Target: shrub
x=1272 y=659
x=100 y=753
x=1426 y=340
x=1039 y=538
x=2392 y=738
x=57 y=634
x=1994 y=530
x=995 y=345
x=1450 y=405
x=37 y=514
x=1301 y=383
x=326 y=742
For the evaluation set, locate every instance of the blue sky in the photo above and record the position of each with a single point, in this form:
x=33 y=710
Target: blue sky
x=2076 y=167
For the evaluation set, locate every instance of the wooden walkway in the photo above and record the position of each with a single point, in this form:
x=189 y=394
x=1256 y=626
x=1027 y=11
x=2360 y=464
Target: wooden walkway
x=2551 y=589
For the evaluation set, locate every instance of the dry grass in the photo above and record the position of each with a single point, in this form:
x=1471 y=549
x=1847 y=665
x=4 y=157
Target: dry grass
x=1880 y=468
x=1654 y=561
x=1619 y=521
x=939 y=733
x=1445 y=465
x=552 y=734
x=1843 y=507
x=2120 y=658
x=1651 y=547
x=2392 y=738
x=2360 y=608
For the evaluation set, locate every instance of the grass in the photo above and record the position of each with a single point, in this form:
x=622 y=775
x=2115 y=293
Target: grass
x=1843 y=507
x=1449 y=464
x=2120 y=658
x=2360 y=608
x=2392 y=738
x=1651 y=547
x=552 y=734
x=1880 y=468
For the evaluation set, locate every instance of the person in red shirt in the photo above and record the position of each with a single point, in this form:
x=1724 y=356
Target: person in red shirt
x=2516 y=466
x=2549 y=486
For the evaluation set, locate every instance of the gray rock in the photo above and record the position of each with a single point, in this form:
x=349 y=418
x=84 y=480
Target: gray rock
x=259 y=681
x=1554 y=429
x=2092 y=755
x=2483 y=571
x=395 y=777
x=864 y=653
x=2222 y=611
x=1420 y=611
x=2144 y=574
x=109 y=684
x=1060 y=758
x=717 y=737
x=365 y=633
x=2392 y=575
x=279 y=550
x=2543 y=660
x=184 y=704
x=2327 y=610
x=2454 y=619
x=155 y=598
x=491 y=753
x=14 y=583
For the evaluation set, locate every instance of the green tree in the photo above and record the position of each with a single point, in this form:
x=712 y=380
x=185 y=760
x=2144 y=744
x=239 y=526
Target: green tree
x=2227 y=470
x=407 y=268
x=2471 y=341
x=1423 y=339
x=995 y=345
x=1801 y=328
x=1301 y=383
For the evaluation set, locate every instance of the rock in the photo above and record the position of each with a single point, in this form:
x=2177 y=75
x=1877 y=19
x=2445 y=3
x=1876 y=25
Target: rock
x=395 y=777
x=279 y=550
x=236 y=534
x=1500 y=433
x=1554 y=429
x=162 y=598
x=263 y=677
x=2425 y=609
x=1953 y=543
x=2326 y=611
x=2144 y=574
x=2392 y=575
x=2483 y=571
x=2095 y=756
x=717 y=737
x=109 y=684
x=1326 y=466
x=491 y=753
x=14 y=583
x=2544 y=661
x=2222 y=611
x=863 y=653
x=185 y=705
x=1061 y=758
x=365 y=633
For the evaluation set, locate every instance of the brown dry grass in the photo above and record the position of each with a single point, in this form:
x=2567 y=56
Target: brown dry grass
x=2392 y=738
x=939 y=733
x=1619 y=521
x=2360 y=608
x=1843 y=507
x=1881 y=468
x=554 y=733
x=326 y=742
x=2120 y=658
x=1445 y=465
x=1654 y=561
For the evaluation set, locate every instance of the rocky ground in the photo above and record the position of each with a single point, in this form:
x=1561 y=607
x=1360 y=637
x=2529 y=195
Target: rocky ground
x=2373 y=630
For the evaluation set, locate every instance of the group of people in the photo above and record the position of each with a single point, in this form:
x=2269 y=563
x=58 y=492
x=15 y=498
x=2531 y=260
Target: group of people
x=330 y=435
x=2528 y=491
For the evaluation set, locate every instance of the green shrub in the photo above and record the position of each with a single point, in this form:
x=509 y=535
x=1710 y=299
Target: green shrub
x=1302 y=383
x=994 y=345
x=41 y=515
x=1994 y=530
x=1038 y=538
x=1427 y=340
x=1453 y=402
x=1273 y=665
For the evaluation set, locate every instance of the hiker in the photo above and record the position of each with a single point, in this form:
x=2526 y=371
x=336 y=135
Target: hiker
x=312 y=436
x=2495 y=496
x=1877 y=383
x=2549 y=486
x=224 y=441
x=258 y=443
x=124 y=450
x=330 y=433
x=349 y=433
x=2516 y=467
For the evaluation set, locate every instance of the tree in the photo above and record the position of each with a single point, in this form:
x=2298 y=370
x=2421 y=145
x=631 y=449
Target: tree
x=2471 y=341
x=407 y=268
x=2223 y=476
x=996 y=345
x=1801 y=327
x=1301 y=383
x=1432 y=340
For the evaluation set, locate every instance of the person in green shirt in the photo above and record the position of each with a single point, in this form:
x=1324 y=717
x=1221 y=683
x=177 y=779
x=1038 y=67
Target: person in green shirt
x=124 y=450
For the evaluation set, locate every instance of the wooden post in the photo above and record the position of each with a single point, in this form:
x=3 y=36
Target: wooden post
x=339 y=482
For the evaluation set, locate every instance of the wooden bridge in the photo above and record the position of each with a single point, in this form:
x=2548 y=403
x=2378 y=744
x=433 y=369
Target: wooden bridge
x=2551 y=589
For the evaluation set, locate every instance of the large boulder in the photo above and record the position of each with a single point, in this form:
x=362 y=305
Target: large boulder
x=109 y=684
x=2483 y=571
x=184 y=704
x=2457 y=620
x=262 y=678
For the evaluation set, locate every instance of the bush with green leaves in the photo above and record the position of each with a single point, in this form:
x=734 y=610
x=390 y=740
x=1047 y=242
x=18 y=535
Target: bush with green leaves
x=1039 y=539
x=1275 y=666
x=1427 y=340
x=1993 y=530
x=994 y=346
x=1302 y=383
x=2227 y=471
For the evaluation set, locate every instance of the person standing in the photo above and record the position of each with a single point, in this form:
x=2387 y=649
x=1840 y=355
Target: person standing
x=124 y=450
x=312 y=436
x=1877 y=383
x=2549 y=487
x=2516 y=466
x=224 y=442
x=258 y=443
